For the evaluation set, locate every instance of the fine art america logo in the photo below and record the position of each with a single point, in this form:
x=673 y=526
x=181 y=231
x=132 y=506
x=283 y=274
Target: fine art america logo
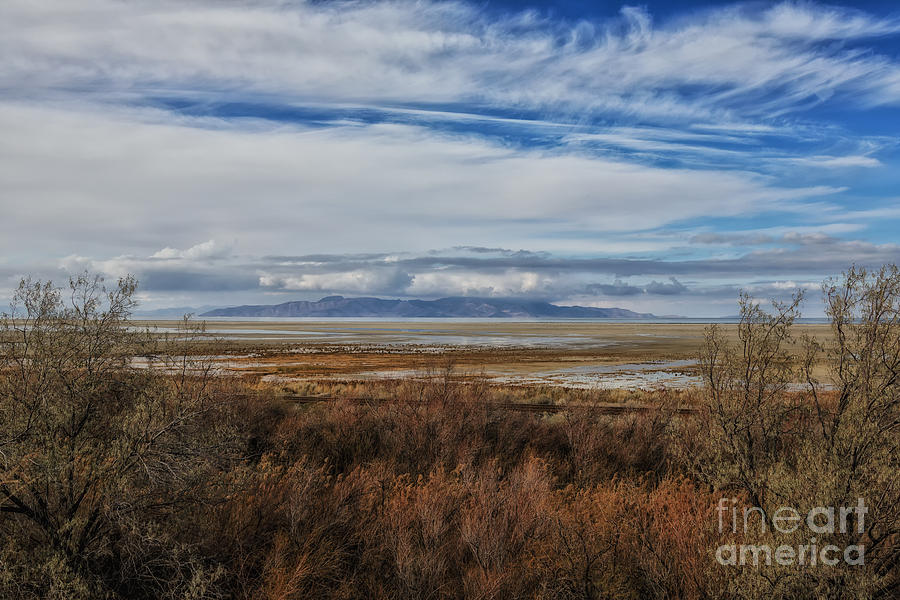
x=786 y=520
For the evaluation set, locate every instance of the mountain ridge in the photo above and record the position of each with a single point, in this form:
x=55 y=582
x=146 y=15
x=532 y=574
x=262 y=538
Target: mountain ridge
x=454 y=306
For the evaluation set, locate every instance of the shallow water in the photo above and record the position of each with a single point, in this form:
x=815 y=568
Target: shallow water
x=650 y=375
x=341 y=333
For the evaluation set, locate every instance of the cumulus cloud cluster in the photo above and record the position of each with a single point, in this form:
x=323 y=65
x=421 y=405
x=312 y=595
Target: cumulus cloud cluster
x=199 y=275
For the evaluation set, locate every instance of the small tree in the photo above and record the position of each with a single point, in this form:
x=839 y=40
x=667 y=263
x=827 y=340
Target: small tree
x=91 y=446
x=749 y=415
x=814 y=424
x=854 y=449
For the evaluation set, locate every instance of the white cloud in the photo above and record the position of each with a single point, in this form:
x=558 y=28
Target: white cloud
x=816 y=22
x=209 y=250
x=360 y=281
x=398 y=51
x=472 y=283
x=121 y=180
x=837 y=162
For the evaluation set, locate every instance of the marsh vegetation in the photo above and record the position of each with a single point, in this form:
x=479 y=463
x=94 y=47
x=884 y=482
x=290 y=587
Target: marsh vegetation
x=178 y=482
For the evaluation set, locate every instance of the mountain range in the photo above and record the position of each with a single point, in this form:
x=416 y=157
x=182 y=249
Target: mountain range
x=460 y=307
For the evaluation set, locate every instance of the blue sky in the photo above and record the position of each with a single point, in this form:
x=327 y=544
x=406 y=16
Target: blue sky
x=659 y=157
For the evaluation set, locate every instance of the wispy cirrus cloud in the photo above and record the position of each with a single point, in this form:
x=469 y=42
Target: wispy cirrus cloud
x=737 y=60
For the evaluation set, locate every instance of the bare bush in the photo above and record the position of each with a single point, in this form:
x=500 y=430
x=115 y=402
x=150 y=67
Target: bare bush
x=782 y=434
x=81 y=430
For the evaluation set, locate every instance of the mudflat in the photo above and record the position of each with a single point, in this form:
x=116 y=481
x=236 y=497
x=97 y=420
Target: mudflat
x=580 y=354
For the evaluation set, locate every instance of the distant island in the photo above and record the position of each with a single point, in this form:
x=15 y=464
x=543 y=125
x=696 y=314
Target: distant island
x=459 y=307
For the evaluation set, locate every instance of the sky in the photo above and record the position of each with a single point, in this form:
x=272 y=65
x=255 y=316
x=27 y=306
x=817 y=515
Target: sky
x=660 y=157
